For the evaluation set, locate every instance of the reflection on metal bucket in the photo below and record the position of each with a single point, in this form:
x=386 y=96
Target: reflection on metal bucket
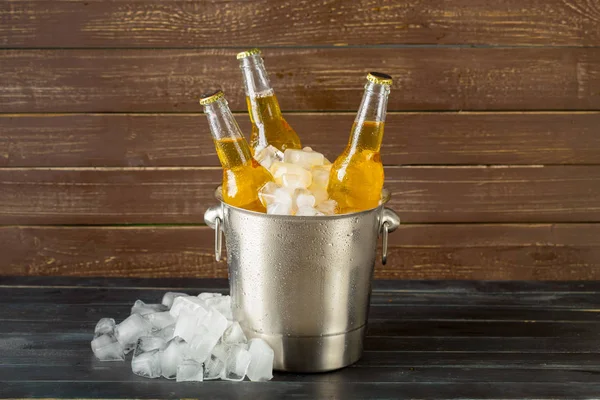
x=303 y=283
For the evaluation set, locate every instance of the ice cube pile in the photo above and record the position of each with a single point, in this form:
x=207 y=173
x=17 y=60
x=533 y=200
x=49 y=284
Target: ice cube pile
x=187 y=338
x=301 y=179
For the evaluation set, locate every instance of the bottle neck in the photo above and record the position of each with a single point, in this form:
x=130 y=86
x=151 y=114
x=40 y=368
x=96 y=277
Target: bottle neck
x=232 y=148
x=373 y=106
x=256 y=80
x=260 y=97
x=367 y=131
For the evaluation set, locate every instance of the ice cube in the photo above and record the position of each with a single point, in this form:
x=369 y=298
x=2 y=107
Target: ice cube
x=192 y=304
x=307 y=148
x=215 y=364
x=188 y=325
x=283 y=195
x=320 y=175
x=139 y=307
x=222 y=304
x=146 y=364
x=149 y=343
x=220 y=351
x=169 y=297
x=328 y=207
x=131 y=329
x=208 y=334
x=234 y=334
x=105 y=325
x=171 y=356
x=145 y=361
x=308 y=212
x=202 y=344
x=261 y=365
x=303 y=198
x=279 y=169
x=190 y=371
x=279 y=209
x=210 y=295
x=295 y=181
x=266 y=194
x=236 y=365
x=270 y=193
x=268 y=155
x=160 y=320
x=215 y=324
x=305 y=159
x=319 y=193
x=166 y=333
x=107 y=348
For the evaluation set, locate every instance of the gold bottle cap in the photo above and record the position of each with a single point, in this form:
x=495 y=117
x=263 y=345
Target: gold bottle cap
x=247 y=53
x=211 y=97
x=379 y=78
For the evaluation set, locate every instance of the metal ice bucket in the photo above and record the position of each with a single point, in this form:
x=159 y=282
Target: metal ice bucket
x=303 y=283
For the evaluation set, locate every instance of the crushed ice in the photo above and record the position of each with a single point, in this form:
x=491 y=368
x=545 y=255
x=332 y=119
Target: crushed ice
x=186 y=338
x=300 y=187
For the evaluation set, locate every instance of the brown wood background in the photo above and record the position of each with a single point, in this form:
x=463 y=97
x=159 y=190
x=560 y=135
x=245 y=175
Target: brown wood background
x=492 y=146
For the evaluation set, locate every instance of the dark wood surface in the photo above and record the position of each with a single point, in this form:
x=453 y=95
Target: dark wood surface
x=306 y=79
x=450 y=251
x=171 y=140
x=426 y=339
x=491 y=145
x=181 y=23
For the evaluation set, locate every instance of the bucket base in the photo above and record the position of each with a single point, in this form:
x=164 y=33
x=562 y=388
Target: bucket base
x=315 y=353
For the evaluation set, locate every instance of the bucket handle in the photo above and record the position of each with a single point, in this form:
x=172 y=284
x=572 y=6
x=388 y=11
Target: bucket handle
x=390 y=221
x=213 y=217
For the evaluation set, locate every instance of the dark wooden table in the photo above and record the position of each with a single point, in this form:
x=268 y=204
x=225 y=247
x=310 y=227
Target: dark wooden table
x=426 y=339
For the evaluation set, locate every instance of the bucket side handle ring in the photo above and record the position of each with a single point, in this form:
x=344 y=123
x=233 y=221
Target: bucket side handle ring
x=390 y=221
x=213 y=217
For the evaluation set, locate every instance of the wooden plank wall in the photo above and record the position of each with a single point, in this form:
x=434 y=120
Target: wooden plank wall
x=492 y=146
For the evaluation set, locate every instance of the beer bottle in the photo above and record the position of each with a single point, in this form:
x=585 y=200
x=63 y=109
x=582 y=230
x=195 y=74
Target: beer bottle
x=356 y=177
x=268 y=125
x=242 y=175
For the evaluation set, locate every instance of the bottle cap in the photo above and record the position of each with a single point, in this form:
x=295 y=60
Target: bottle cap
x=379 y=78
x=247 y=53
x=211 y=97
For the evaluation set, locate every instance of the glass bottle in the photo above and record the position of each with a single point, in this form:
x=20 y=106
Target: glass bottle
x=242 y=175
x=356 y=177
x=268 y=125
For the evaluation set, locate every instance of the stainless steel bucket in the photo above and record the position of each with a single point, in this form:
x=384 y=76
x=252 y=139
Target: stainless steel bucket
x=302 y=283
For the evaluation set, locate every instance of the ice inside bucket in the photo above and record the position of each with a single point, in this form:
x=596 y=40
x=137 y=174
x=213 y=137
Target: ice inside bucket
x=303 y=283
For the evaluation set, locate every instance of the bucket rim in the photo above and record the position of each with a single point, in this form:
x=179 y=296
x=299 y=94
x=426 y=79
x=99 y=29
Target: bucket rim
x=385 y=198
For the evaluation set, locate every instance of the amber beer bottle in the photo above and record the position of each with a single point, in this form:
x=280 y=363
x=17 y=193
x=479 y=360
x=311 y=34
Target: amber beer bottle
x=268 y=125
x=356 y=177
x=242 y=175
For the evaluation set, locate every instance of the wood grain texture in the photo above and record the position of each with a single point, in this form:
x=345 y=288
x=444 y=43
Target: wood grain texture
x=179 y=23
x=492 y=296
x=471 y=251
x=14 y=352
x=151 y=140
x=372 y=390
x=181 y=195
x=515 y=290
x=67 y=312
x=121 y=372
x=304 y=79
x=455 y=342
